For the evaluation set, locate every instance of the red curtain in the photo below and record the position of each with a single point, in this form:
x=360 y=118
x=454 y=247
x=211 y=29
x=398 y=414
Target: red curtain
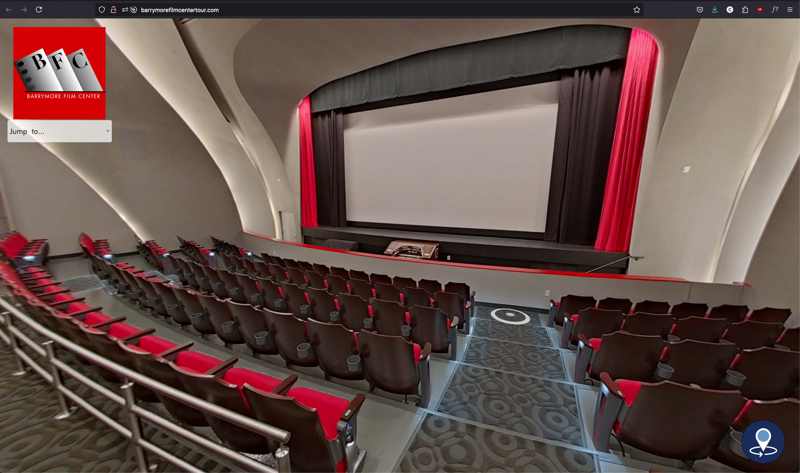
x=308 y=178
x=622 y=183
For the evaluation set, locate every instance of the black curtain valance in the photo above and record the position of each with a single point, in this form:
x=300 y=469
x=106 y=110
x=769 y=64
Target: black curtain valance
x=464 y=65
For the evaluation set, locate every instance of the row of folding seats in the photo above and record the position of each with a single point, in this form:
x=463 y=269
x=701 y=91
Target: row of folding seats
x=761 y=373
x=194 y=250
x=153 y=253
x=572 y=304
x=423 y=322
x=91 y=247
x=388 y=362
x=314 y=419
x=690 y=423
x=23 y=252
x=593 y=322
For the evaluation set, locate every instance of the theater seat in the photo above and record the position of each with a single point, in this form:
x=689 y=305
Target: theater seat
x=403 y=283
x=621 y=354
x=337 y=284
x=700 y=328
x=249 y=290
x=361 y=288
x=324 y=306
x=323 y=427
x=770 y=314
x=289 y=334
x=396 y=365
x=569 y=305
x=651 y=307
x=589 y=323
x=416 y=296
x=225 y=326
x=689 y=309
x=666 y=419
x=254 y=328
x=642 y=323
x=701 y=363
x=782 y=412
x=380 y=279
x=612 y=303
x=431 y=325
x=388 y=292
x=752 y=334
x=733 y=313
x=336 y=347
x=198 y=316
x=226 y=392
x=390 y=318
x=770 y=373
x=790 y=338
x=354 y=310
x=316 y=280
x=172 y=305
x=430 y=285
x=297 y=301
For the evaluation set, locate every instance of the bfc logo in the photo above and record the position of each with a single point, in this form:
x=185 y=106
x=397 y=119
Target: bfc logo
x=762 y=442
x=61 y=73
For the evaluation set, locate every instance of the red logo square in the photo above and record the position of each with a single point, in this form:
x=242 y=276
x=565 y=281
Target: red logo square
x=60 y=73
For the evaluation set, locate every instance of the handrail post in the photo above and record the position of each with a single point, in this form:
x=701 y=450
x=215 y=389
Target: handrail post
x=282 y=457
x=21 y=368
x=135 y=427
x=66 y=411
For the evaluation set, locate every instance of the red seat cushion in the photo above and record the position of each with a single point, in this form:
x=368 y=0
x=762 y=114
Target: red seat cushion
x=574 y=318
x=155 y=345
x=417 y=353
x=630 y=389
x=329 y=408
x=240 y=376
x=94 y=318
x=196 y=361
x=595 y=343
x=121 y=330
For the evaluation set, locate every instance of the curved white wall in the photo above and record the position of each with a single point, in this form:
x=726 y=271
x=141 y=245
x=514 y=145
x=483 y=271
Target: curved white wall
x=730 y=86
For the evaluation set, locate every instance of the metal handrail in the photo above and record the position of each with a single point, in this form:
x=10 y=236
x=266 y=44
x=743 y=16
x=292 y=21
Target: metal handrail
x=134 y=412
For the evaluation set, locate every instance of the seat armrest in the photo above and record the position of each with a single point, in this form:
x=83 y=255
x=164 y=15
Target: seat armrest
x=69 y=301
x=223 y=367
x=176 y=350
x=583 y=360
x=109 y=322
x=144 y=332
x=426 y=351
x=607 y=409
x=83 y=312
x=285 y=384
x=454 y=322
x=353 y=408
x=566 y=332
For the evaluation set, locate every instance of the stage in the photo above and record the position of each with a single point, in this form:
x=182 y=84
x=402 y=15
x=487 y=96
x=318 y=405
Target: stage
x=496 y=251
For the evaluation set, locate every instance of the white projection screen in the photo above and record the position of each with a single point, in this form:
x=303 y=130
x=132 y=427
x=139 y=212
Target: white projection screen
x=479 y=161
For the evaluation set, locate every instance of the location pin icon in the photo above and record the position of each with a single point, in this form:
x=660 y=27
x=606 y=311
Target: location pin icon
x=763 y=436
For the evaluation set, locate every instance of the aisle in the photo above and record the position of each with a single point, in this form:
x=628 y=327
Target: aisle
x=509 y=405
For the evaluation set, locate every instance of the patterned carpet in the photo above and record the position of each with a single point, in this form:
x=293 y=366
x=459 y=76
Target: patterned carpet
x=34 y=441
x=443 y=444
x=522 y=404
x=484 y=309
x=531 y=360
x=530 y=333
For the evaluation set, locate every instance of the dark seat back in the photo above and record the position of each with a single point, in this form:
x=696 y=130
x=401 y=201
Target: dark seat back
x=254 y=328
x=459 y=288
x=642 y=323
x=171 y=303
x=770 y=314
x=297 y=276
x=388 y=317
x=270 y=293
x=322 y=304
x=401 y=282
x=231 y=283
x=316 y=280
x=322 y=269
x=751 y=334
x=416 y=296
x=333 y=344
x=701 y=363
x=430 y=325
x=389 y=362
x=451 y=303
x=217 y=285
x=249 y=289
x=277 y=273
x=361 y=287
x=733 y=313
x=162 y=371
x=198 y=316
x=612 y=303
x=388 y=292
x=595 y=322
x=771 y=373
x=225 y=395
x=289 y=332
x=790 y=339
x=337 y=284
x=628 y=356
x=700 y=328
x=651 y=307
x=358 y=274
x=689 y=309
x=431 y=285
x=295 y=298
x=353 y=311
x=572 y=304
x=340 y=272
x=312 y=452
x=677 y=421
x=225 y=326
x=380 y=279
x=200 y=276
